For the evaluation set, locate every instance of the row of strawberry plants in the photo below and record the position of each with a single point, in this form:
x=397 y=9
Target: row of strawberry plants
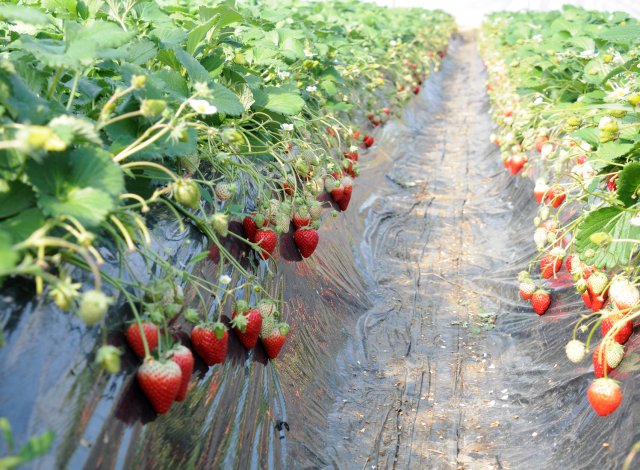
x=565 y=92
x=113 y=111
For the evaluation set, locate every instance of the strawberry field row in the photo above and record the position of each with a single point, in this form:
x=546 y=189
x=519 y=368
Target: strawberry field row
x=111 y=112
x=565 y=93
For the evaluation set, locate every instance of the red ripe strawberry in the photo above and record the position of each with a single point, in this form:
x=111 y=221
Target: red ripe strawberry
x=356 y=135
x=598 y=301
x=267 y=239
x=416 y=89
x=540 y=141
x=586 y=298
x=289 y=189
x=581 y=160
x=555 y=196
x=540 y=190
x=387 y=111
x=247 y=325
x=347 y=183
x=210 y=342
x=568 y=263
x=134 y=338
x=527 y=288
x=306 y=239
x=617 y=319
x=517 y=162
x=551 y=263
x=607 y=356
x=604 y=396
x=507 y=163
x=160 y=381
x=300 y=221
x=351 y=155
x=182 y=356
x=540 y=301
x=368 y=141
x=331 y=132
x=214 y=253
x=612 y=183
x=274 y=341
x=250 y=228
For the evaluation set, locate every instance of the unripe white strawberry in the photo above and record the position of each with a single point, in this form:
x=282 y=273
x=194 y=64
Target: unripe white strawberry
x=93 y=306
x=597 y=282
x=540 y=237
x=614 y=353
x=224 y=191
x=624 y=295
x=575 y=350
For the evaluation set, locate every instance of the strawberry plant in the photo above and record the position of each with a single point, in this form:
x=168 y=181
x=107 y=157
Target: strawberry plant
x=118 y=118
x=565 y=93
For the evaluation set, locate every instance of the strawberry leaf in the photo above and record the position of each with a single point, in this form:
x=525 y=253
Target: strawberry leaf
x=629 y=183
x=615 y=222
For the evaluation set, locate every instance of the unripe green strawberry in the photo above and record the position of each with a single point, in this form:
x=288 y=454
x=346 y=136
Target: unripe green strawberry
x=108 y=357
x=41 y=138
x=138 y=81
x=301 y=167
x=187 y=193
x=152 y=108
x=220 y=223
x=93 y=306
x=224 y=191
x=283 y=222
x=634 y=99
x=286 y=208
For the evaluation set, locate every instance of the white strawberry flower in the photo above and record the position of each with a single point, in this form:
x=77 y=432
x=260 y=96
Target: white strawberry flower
x=203 y=107
x=617 y=94
x=225 y=280
x=588 y=54
x=604 y=121
x=635 y=221
x=308 y=53
x=285 y=126
x=547 y=149
x=312 y=89
x=283 y=74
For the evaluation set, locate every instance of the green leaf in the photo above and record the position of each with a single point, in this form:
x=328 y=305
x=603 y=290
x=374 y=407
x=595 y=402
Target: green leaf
x=621 y=34
x=14 y=197
x=195 y=70
x=89 y=205
x=629 y=183
x=5 y=425
x=21 y=226
x=279 y=100
x=76 y=131
x=611 y=150
x=198 y=33
x=94 y=167
x=614 y=222
x=225 y=100
x=36 y=446
x=80 y=185
x=24 y=14
x=589 y=134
